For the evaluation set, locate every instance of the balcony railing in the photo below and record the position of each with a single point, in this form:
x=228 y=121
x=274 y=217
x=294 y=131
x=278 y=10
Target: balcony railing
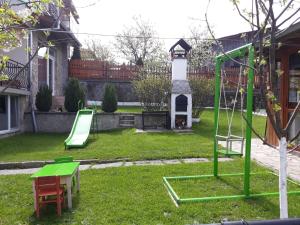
x=17 y=76
x=53 y=10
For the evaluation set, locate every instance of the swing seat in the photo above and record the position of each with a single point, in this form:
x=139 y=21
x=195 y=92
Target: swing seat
x=227 y=150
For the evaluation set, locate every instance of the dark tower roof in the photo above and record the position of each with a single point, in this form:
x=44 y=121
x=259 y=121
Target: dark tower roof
x=182 y=43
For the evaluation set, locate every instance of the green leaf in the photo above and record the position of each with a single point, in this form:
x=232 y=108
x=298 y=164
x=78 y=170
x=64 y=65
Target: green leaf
x=263 y=62
x=4 y=77
x=276 y=107
x=279 y=72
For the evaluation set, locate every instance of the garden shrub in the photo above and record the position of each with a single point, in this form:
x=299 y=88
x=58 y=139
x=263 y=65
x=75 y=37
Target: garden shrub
x=73 y=94
x=202 y=92
x=153 y=91
x=43 y=100
x=110 y=102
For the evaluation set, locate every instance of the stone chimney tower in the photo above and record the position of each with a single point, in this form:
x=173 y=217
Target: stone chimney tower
x=181 y=95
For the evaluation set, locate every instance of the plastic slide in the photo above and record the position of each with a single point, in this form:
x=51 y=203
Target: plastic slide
x=80 y=129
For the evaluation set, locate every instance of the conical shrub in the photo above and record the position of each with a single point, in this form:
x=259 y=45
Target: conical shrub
x=110 y=102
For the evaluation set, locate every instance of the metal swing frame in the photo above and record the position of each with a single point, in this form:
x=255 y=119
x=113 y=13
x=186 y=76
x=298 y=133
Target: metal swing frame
x=230 y=138
x=220 y=59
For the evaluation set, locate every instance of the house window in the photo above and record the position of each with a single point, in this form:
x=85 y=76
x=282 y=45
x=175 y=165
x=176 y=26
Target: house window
x=9 y=113
x=14 y=112
x=294 y=79
x=46 y=74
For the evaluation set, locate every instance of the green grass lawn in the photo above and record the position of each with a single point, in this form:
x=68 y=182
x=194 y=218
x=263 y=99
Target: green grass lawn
x=127 y=109
x=130 y=109
x=136 y=195
x=124 y=143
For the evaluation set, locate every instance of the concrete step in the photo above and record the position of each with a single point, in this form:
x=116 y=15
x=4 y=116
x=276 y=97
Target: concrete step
x=127 y=118
x=126 y=122
x=126 y=125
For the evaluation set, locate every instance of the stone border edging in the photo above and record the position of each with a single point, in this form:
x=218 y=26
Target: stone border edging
x=37 y=164
x=92 y=162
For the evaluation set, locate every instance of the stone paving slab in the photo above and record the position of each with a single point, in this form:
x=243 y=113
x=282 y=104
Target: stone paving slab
x=107 y=165
x=195 y=160
x=171 y=161
x=117 y=164
x=224 y=159
x=148 y=162
x=84 y=167
x=18 y=171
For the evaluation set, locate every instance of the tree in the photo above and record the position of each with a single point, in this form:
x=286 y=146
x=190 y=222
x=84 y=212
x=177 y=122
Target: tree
x=110 y=102
x=76 y=53
x=43 y=99
x=202 y=53
x=138 y=43
x=95 y=50
x=265 y=17
x=74 y=95
x=152 y=91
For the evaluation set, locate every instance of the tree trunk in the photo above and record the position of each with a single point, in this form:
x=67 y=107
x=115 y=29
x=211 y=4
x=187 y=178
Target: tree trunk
x=283 y=179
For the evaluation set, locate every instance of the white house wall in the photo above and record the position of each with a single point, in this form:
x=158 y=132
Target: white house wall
x=18 y=54
x=179 y=66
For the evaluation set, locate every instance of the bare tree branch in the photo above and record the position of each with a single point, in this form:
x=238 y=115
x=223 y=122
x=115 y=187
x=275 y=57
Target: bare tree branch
x=287 y=19
x=292 y=118
x=240 y=13
x=255 y=132
x=221 y=47
x=283 y=11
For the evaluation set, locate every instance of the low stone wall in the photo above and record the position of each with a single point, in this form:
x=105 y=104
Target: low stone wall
x=61 y=122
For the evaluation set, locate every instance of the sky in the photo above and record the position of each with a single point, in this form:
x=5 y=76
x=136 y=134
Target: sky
x=170 y=18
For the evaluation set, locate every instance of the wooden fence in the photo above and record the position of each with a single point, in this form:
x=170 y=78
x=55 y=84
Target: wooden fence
x=100 y=70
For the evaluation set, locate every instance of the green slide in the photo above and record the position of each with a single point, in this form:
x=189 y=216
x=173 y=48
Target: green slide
x=80 y=129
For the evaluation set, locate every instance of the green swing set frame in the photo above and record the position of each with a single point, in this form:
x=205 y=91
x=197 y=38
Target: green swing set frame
x=220 y=59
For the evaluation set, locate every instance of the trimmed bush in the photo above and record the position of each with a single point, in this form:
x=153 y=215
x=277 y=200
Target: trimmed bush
x=153 y=91
x=43 y=100
x=202 y=91
x=73 y=94
x=110 y=102
x=76 y=53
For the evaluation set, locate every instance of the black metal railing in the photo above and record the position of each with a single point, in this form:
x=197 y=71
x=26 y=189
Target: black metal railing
x=16 y=75
x=53 y=10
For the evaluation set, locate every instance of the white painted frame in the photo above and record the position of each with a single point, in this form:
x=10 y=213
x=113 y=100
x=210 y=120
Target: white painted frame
x=9 y=129
x=51 y=57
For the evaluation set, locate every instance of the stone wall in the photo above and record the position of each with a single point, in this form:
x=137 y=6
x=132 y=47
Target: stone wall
x=61 y=122
x=95 y=90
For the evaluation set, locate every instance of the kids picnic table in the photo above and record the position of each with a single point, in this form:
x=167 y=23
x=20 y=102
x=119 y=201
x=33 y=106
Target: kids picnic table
x=66 y=172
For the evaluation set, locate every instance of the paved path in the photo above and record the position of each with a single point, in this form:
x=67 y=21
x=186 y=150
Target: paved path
x=118 y=164
x=269 y=157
